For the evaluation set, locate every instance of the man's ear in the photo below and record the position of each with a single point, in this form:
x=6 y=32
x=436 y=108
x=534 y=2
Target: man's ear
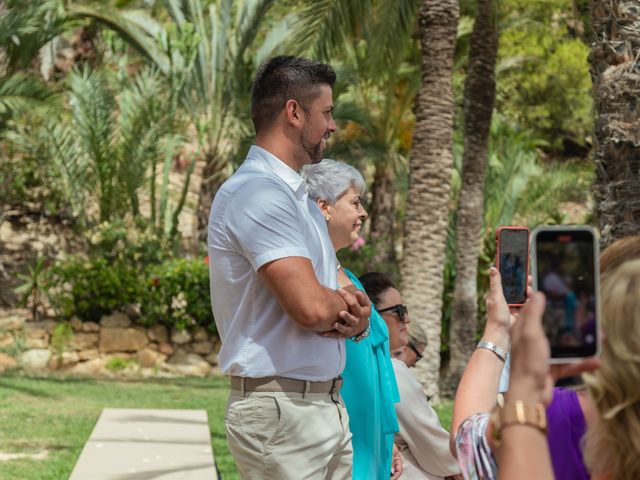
x=294 y=113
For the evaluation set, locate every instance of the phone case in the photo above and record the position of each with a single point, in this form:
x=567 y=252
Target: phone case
x=534 y=272
x=497 y=259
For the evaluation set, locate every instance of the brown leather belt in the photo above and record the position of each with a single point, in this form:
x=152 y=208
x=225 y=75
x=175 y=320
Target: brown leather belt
x=283 y=384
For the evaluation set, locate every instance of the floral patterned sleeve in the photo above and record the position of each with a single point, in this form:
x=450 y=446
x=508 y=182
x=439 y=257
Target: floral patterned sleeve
x=474 y=454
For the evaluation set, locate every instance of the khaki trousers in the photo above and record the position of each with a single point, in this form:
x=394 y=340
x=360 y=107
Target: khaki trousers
x=284 y=435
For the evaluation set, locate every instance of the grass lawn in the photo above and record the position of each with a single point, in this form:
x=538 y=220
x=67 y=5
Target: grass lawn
x=58 y=414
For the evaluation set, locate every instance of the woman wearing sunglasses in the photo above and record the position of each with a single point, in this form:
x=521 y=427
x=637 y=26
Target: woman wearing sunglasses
x=369 y=390
x=422 y=441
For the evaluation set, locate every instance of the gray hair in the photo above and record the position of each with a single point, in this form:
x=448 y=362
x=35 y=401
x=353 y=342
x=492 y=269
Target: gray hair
x=330 y=179
x=417 y=333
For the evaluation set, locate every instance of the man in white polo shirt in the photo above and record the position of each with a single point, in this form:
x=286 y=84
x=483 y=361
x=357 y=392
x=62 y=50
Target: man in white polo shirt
x=273 y=278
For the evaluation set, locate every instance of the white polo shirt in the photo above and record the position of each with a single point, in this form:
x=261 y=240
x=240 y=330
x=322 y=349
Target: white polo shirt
x=260 y=214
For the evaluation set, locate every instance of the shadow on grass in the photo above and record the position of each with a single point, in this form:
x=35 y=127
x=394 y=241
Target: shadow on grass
x=207 y=383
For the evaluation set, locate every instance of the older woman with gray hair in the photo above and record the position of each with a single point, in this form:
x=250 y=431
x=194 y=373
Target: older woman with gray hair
x=369 y=391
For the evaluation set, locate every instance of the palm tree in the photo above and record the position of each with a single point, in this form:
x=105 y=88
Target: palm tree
x=430 y=165
x=102 y=148
x=214 y=85
x=614 y=71
x=479 y=99
x=25 y=26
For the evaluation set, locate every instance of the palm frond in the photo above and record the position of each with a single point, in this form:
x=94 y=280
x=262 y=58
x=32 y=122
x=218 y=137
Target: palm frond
x=275 y=38
x=390 y=33
x=93 y=106
x=136 y=27
x=324 y=26
x=21 y=91
x=25 y=27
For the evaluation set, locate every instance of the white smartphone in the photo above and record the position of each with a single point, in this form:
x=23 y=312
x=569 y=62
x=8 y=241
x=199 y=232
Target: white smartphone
x=565 y=268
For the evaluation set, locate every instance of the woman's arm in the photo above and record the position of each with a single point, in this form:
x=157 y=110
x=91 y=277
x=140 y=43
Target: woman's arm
x=478 y=386
x=524 y=450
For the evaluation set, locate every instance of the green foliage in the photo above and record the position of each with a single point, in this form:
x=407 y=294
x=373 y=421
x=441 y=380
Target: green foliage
x=519 y=190
x=177 y=293
x=132 y=267
x=127 y=243
x=543 y=73
x=33 y=290
x=61 y=338
x=118 y=364
x=93 y=288
x=25 y=27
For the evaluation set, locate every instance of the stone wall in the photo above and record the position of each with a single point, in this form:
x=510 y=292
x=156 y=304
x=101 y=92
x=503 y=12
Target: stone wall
x=114 y=347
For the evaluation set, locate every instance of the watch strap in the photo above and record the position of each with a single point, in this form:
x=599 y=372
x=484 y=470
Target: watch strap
x=500 y=352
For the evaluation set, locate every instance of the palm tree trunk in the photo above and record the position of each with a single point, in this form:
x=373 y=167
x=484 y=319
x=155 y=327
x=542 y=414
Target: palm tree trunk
x=615 y=71
x=430 y=167
x=479 y=99
x=382 y=217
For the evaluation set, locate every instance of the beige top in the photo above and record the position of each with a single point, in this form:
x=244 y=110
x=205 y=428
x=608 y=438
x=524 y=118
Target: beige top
x=423 y=442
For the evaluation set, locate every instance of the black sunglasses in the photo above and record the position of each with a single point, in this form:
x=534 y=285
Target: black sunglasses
x=400 y=309
x=413 y=347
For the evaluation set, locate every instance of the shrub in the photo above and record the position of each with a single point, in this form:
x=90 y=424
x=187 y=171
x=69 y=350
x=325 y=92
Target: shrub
x=176 y=293
x=93 y=288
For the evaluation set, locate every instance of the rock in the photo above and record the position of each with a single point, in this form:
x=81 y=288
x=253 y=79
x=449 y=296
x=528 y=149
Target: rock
x=84 y=341
x=88 y=354
x=200 y=334
x=34 y=360
x=90 y=368
x=158 y=333
x=148 y=358
x=7 y=339
x=32 y=332
x=152 y=346
x=76 y=324
x=212 y=358
x=122 y=339
x=37 y=342
x=165 y=348
x=190 y=364
x=12 y=323
x=66 y=359
x=47 y=325
x=180 y=337
x=202 y=347
x=6 y=362
x=90 y=327
x=116 y=319
x=132 y=310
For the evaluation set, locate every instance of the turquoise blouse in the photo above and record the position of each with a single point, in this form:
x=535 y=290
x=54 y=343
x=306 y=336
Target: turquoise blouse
x=370 y=393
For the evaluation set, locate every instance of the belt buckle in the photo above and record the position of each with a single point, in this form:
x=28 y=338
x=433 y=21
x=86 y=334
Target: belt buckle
x=337 y=383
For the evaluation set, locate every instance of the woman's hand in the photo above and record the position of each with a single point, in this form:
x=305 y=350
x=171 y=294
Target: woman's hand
x=396 y=463
x=530 y=380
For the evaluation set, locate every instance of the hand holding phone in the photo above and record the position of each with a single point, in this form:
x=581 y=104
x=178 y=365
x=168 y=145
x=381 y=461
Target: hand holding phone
x=512 y=260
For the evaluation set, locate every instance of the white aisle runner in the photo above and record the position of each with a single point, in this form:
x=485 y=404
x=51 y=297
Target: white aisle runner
x=137 y=444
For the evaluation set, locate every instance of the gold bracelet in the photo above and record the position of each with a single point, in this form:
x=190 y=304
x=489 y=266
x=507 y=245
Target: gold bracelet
x=518 y=412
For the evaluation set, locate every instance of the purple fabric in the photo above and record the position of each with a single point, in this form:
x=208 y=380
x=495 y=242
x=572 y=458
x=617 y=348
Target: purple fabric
x=566 y=427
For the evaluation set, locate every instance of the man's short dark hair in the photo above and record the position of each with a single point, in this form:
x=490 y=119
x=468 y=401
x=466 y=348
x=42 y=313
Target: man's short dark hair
x=375 y=284
x=284 y=78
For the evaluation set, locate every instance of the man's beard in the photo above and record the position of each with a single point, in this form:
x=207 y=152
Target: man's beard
x=314 y=152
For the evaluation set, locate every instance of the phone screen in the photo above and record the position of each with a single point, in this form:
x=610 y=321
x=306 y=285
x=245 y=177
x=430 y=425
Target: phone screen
x=513 y=264
x=566 y=271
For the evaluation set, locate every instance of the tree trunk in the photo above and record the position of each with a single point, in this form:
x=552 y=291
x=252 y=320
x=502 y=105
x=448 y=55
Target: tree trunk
x=479 y=99
x=615 y=71
x=212 y=179
x=430 y=167
x=382 y=215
